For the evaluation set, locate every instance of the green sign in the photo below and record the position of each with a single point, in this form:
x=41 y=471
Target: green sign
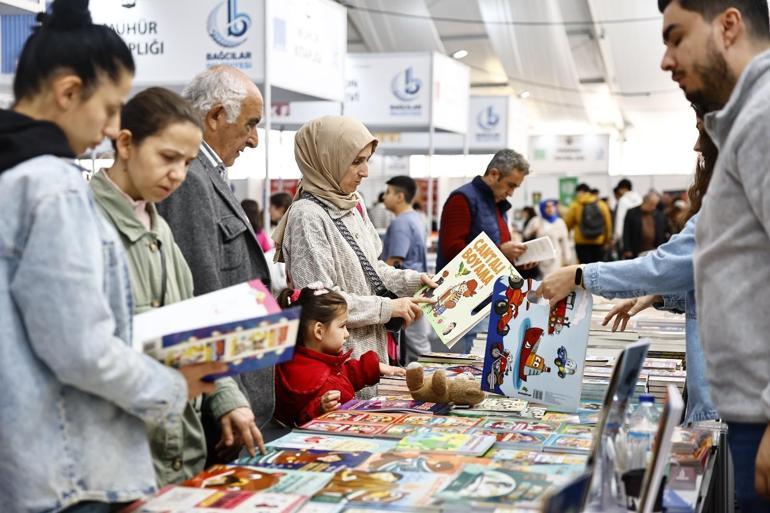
x=567 y=190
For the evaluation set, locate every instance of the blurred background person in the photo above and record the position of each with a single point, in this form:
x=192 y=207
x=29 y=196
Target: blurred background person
x=279 y=204
x=645 y=227
x=590 y=219
x=551 y=225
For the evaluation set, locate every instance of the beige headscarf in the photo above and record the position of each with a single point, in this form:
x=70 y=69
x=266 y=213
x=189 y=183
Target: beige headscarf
x=324 y=149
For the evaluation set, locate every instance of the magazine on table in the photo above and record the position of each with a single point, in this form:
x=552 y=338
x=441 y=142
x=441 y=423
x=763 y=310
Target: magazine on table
x=182 y=499
x=399 y=404
x=534 y=351
x=464 y=287
x=454 y=443
x=241 y=325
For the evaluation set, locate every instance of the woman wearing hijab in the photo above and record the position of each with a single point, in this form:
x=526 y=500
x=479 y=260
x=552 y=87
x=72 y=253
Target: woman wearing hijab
x=332 y=153
x=552 y=226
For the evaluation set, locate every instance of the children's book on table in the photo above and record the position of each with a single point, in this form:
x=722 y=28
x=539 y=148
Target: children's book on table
x=241 y=325
x=536 y=352
x=464 y=287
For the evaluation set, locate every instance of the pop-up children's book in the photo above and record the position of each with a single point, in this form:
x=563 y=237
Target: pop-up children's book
x=241 y=325
x=464 y=287
x=534 y=351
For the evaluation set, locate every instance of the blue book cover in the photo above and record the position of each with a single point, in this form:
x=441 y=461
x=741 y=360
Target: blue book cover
x=534 y=351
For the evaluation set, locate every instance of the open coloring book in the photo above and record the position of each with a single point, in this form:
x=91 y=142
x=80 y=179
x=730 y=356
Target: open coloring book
x=536 y=352
x=464 y=286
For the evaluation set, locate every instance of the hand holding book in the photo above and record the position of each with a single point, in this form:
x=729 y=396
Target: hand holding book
x=194 y=375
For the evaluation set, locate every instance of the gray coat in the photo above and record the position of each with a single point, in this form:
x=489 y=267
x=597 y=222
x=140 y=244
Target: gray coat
x=220 y=246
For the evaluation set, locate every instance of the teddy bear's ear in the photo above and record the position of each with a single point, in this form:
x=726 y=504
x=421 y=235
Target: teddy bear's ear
x=414 y=376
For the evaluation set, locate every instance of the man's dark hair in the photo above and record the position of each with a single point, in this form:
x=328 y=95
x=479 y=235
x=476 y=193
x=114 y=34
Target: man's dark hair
x=583 y=187
x=405 y=185
x=594 y=191
x=754 y=12
x=625 y=183
x=281 y=200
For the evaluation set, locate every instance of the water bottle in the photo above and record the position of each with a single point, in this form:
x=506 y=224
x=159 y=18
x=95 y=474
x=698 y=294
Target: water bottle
x=642 y=427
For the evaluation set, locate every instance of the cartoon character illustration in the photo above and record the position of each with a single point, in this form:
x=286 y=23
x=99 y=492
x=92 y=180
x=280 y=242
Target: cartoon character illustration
x=413 y=461
x=429 y=291
x=508 y=308
x=500 y=365
x=557 y=318
x=449 y=329
x=451 y=297
x=564 y=364
x=234 y=478
x=361 y=486
x=530 y=363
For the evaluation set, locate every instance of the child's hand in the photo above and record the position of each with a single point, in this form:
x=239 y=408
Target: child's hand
x=330 y=401
x=387 y=370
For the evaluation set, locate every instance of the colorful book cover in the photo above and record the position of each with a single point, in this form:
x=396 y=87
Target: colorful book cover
x=181 y=499
x=535 y=457
x=514 y=439
x=241 y=325
x=383 y=488
x=576 y=429
x=578 y=444
x=484 y=485
x=501 y=404
x=513 y=424
x=251 y=479
x=559 y=417
x=437 y=421
x=324 y=442
x=344 y=428
x=417 y=461
x=536 y=352
x=464 y=286
x=361 y=417
x=399 y=431
x=555 y=469
x=306 y=460
x=395 y=404
x=469 y=445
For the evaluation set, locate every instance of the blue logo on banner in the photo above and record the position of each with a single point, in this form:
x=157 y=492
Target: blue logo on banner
x=227 y=27
x=405 y=86
x=488 y=119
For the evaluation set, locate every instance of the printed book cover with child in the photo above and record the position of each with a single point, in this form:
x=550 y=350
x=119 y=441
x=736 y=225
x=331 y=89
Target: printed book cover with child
x=464 y=287
x=534 y=351
x=241 y=325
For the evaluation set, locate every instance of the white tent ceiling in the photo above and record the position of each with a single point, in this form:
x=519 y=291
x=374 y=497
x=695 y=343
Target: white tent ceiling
x=592 y=65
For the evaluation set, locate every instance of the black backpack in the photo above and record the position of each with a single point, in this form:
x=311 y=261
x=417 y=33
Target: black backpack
x=592 y=221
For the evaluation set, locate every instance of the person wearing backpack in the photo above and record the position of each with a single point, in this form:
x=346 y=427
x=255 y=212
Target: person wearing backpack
x=590 y=218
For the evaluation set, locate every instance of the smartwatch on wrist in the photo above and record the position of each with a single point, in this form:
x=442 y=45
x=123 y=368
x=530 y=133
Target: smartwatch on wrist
x=579 y=276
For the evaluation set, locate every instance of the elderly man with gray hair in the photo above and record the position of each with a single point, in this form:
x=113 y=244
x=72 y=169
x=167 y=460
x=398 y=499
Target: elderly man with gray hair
x=207 y=220
x=482 y=206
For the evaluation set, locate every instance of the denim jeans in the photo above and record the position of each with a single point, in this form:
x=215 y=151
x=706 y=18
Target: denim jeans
x=743 y=440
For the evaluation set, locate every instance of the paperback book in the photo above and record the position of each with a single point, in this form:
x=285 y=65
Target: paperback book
x=312 y=460
x=182 y=499
x=252 y=479
x=577 y=444
x=241 y=325
x=525 y=440
x=417 y=461
x=536 y=352
x=398 y=404
x=464 y=287
x=383 y=488
x=324 y=442
x=452 y=443
x=484 y=485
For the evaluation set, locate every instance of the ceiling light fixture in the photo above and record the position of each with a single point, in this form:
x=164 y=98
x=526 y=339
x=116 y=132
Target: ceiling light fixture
x=524 y=95
x=459 y=54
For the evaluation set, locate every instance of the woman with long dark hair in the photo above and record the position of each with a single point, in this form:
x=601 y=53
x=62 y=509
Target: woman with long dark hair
x=76 y=396
x=664 y=278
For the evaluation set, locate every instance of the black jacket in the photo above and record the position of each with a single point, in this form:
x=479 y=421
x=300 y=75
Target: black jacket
x=632 y=230
x=23 y=138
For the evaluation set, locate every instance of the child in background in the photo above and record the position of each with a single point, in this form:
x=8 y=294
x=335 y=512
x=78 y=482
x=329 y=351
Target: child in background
x=321 y=376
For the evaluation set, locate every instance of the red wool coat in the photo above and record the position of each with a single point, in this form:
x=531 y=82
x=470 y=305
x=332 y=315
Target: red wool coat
x=300 y=383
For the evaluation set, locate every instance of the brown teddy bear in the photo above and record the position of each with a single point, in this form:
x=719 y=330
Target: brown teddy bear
x=439 y=389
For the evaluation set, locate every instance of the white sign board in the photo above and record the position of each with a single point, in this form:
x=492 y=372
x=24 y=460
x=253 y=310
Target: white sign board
x=173 y=40
x=569 y=154
x=292 y=115
x=403 y=90
x=451 y=91
x=388 y=90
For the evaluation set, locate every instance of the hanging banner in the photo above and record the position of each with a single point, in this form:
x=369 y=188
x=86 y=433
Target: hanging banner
x=569 y=154
x=174 y=40
x=567 y=188
x=451 y=92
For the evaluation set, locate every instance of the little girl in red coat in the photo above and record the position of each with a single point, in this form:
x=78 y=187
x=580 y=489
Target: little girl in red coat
x=321 y=376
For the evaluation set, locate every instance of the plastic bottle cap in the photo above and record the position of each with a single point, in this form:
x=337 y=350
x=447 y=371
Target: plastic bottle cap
x=646 y=398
